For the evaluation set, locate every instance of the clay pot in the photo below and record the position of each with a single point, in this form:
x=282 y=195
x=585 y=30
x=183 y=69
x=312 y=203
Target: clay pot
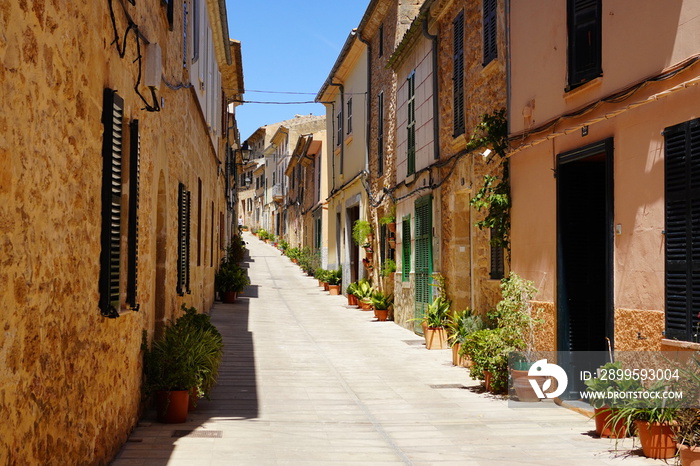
x=457 y=360
x=523 y=389
x=172 y=406
x=690 y=456
x=436 y=338
x=334 y=290
x=326 y=286
x=603 y=427
x=352 y=299
x=381 y=314
x=365 y=306
x=657 y=439
x=229 y=297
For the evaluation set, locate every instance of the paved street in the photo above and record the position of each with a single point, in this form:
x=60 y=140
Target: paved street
x=307 y=380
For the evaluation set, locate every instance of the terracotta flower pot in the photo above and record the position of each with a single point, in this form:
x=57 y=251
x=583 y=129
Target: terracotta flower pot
x=603 y=426
x=364 y=305
x=657 y=439
x=457 y=360
x=436 y=338
x=229 y=297
x=171 y=406
x=487 y=380
x=523 y=389
x=352 y=299
x=690 y=456
x=326 y=286
x=334 y=290
x=382 y=314
x=391 y=226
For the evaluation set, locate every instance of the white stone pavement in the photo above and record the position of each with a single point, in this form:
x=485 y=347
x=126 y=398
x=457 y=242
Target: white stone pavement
x=306 y=380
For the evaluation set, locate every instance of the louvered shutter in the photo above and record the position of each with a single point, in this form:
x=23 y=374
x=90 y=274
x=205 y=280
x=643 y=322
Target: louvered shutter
x=183 y=240
x=110 y=256
x=497 y=261
x=682 y=170
x=458 y=74
x=406 y=248
x=584 y=17
x=133 y=234
x=411 y=125
x=490 y=24
x=424 y=253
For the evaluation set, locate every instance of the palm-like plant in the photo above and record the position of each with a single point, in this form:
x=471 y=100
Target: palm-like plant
x=382 y=301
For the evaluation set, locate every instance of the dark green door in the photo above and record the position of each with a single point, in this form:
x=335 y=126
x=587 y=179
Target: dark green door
x=424 y=255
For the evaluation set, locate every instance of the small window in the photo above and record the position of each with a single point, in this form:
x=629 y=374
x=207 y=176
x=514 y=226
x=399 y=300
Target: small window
x=339 y=123
x=133 y=233
x=458 y=75
x=381 y=40
x=497 y=261
x=380 y=133
x=585 y=39
x=169 y=11
x=490 y=29
x=183 y=241
x=195 y=31
x=349 y=115
x=406 y=248
x=411 y=125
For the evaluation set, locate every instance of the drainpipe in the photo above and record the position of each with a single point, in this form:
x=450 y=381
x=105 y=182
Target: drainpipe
x=368 y=100
x=436 y=114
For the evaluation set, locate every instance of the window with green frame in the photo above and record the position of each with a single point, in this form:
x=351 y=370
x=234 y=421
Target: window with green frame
x=405 y=248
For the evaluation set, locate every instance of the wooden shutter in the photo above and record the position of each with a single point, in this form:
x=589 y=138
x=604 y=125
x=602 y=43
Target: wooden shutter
x=458 y=74
x=497 y=260
x=380 y=133
x=406 y=248
x=585 y=38
x=183 y=241
x=110 y=256
x=490 y=24
x=424 y=252
x=133 y=234
x=682 y=277
x=411 y=125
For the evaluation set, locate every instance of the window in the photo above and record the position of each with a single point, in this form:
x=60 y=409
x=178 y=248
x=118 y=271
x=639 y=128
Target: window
x=339 y=122
x=169 y=11
x=195 y=30
x=423 y=253
x=183 y=241
x=682 y=197
x=184 y=34
x=380 y=133
x=405 y=248
x=585 y=38
x=497 y=261
x=110 y=257
x=490 y=27
x=349 y=115
x=381 y=40
x=133 y=233
x=411 y=125
x=458 y=74
x=199 y=221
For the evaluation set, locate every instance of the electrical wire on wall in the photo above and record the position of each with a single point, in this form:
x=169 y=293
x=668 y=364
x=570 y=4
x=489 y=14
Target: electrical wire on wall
x=121 y=49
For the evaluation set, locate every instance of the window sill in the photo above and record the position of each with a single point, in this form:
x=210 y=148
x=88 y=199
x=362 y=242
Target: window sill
x=490 y=67
x=348 y=139
x=337 y=150
x=681 y=345
x=594 y=83
x=459 y=143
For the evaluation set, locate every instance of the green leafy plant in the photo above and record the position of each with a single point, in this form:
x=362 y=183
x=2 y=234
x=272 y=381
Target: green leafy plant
x=334 y=277
x=461 y=324
x=283 y=245
x=231 y=278
x=488 y=350
x=361 y=230
x=352 y=289
x=293 y=253
x=388 y=267
x=308 y=260
x=236 y=250
x=381 y=301
x=364 y=289
x=688 y=427
x=437 y=314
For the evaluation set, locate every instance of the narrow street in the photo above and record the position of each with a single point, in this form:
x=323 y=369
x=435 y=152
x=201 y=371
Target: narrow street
x=307 y=380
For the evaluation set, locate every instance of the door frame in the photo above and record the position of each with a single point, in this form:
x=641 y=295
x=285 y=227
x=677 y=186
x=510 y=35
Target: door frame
x=605 y=146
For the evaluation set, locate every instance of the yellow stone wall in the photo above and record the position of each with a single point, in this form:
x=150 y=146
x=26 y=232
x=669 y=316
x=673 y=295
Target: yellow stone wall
x=70 y=378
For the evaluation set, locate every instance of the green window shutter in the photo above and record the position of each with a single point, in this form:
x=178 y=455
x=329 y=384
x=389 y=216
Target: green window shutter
x=133 y=233
x=682 y=195
x=490 y=24
x=458 y=74
x=406 y=248
x=424 y=253
x=183 y=241
x=110 y=256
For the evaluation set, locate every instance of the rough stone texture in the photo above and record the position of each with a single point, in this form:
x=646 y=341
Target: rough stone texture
x=485 y=92
x=404 y=301
x=637 y=330
x=546 y=333
x=69 y=378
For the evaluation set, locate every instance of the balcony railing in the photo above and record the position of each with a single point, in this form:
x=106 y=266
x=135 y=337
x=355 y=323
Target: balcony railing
x=277 y=193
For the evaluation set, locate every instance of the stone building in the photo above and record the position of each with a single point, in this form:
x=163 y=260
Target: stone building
x=450 y=68
x=113 y=134
x=602 y=133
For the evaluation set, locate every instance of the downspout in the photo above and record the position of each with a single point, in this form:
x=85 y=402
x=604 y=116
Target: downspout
x=436 y=114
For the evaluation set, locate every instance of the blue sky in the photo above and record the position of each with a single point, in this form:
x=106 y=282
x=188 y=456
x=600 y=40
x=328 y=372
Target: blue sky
x=287 y=46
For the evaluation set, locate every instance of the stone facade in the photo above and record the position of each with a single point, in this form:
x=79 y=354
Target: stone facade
x=70 y=378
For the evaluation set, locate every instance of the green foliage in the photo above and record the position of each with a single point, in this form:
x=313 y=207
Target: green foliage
x=360 y=231
x=231 y=277
x=352 y=288
x=437 y=314
x=382 y=301
x=293 y=253
x=308 y=260
x=283 y=245
x=494 y=195
x=461 y=324
x=263 y=234
x=488 y=350
x=334 y=277
x=364 y=289
x=388 y=267
x=236 y=250
x=688 y=427
x=609 y=385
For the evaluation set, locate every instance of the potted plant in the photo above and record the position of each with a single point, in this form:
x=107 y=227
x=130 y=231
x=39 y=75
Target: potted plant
x=364 y=294
x=435 y=319
x=361 y=231
x=230 y=280
x=381 y=303
x=334 y=277
x=688 y=436
x=390 y=220
x=388 y=268
x=351 y=291
x=460 y=325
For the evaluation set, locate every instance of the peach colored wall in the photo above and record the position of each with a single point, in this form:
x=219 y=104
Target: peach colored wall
x=630 y=52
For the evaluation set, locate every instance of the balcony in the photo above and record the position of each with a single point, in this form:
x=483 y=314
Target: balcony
x=277 y=193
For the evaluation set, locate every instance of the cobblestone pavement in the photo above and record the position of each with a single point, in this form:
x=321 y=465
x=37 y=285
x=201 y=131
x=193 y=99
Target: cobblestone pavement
x=308 y=380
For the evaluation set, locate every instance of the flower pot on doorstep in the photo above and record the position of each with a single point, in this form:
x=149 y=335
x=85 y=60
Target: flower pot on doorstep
x=171 y=406
x=658 y=440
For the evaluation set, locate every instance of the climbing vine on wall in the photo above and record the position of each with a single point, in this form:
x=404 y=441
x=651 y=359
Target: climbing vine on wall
x=494 y=195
